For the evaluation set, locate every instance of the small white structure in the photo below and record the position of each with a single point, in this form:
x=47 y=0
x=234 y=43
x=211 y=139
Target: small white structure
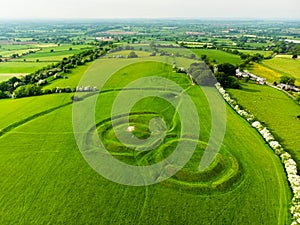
x=130 y=128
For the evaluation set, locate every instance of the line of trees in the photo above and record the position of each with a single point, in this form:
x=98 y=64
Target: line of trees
x=30 y=85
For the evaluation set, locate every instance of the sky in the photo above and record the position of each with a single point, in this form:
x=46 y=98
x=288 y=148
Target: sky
x=91 y=9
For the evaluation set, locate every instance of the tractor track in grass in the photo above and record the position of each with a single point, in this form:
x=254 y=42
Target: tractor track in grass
x=42 y=185
x=144 y=205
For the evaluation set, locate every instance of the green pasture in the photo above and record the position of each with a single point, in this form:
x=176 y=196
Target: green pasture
x=284 y=66
x=263 y=71
x=125 y=53
x=21 y=67
x=73 y=78
x=252 y=52
x=45 y=180
x=219 y=56
x=278 y=112
x=70 y=79
x=59 y=52
x=273 y=69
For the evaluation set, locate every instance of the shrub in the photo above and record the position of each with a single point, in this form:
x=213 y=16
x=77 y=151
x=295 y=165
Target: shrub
x=132 y=55
x=27 y=90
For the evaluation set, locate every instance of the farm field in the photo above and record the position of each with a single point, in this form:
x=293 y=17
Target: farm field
x=238 y=188
x=21 y=67
x=32 y=62
x=195 y=44
x=219 y=56
x=59 y=52
x=212 y=54
x=75 y=76
x=6 y=76
x=181 y=50
x=265 y=72
x=252 y=52
x=14 y=110
x=9 y=53
x=278 y=111
x=72 y=80
x=286 y=57
x=125 y=53
x=7 y=50
x=284 y=66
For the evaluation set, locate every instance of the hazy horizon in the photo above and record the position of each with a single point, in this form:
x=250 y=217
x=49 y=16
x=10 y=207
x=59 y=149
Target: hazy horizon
x=154 y=9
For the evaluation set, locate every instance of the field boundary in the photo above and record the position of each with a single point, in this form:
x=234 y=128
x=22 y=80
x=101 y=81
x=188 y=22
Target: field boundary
x=289 y=165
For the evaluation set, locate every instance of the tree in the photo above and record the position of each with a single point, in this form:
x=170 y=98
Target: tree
x=132 y=55
x=227 y=81
x=298 y=100
x=244 y=56
x=27 y=90
x=287 y=80
x=227 y=69
x=193 y=56
x=3 y=94
x=256 y=57
x=203 y=57
x=16 y=55
x=226 y=76
x=292 y=81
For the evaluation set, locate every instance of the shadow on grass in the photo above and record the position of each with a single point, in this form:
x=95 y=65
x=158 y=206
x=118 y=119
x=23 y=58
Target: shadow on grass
x=245 y=89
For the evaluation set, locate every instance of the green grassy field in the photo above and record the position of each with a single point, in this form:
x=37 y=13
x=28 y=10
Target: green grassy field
x=46 y=180
x=125 y=53
x=6 y=76
x=284 y=66
x=73 y=78
x=287 y=57
x=182 y=51
x=219 y=56
x=21 y=67
x=44 y=56
x=59 y=52
x=275 y=68
x=9 y=53
x=276 y=110
x=7 y=50
x=27 y=107
x=252 y=52
x=264 y=71
x=212 y=54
